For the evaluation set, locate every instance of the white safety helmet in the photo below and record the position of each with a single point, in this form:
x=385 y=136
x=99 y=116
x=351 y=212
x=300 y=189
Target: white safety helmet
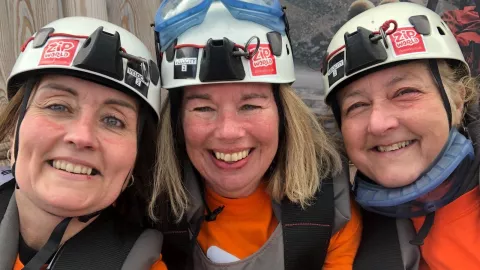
x=213 y=50
x=94 y=50
x=368 y=41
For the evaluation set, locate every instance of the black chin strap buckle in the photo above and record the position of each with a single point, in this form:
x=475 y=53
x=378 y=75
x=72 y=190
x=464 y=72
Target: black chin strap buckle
x=424 y=230
x=212 y=216
x=86 y=218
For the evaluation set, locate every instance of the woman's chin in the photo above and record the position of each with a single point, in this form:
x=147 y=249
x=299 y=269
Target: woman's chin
x=394 y=181
x=66 y=205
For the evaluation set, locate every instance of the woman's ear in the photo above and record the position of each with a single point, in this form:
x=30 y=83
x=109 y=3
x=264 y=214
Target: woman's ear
x=459 y=105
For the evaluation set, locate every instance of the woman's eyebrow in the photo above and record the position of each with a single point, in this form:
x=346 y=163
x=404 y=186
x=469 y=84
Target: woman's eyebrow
x=400 y=78
x=60 y=87
x=122 y=103
x=197 y=96
x=253 y=95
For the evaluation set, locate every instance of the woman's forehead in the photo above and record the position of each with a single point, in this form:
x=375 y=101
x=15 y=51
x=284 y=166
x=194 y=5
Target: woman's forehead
x=228 y=89
x=80 y=85
x=413 y=73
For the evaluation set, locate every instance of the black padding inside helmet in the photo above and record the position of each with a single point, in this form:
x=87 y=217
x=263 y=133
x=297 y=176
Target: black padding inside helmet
x=324 y=62
x=219 y=63
x=41 y=37
x=101 y=53
x=154 y=72
x=421 y=24
x=275 y=40
x=170 y=52
x=361 y=52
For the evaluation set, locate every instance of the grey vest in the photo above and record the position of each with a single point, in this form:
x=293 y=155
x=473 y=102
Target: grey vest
x=410 y=253
x=144 y=253
x=270 y=255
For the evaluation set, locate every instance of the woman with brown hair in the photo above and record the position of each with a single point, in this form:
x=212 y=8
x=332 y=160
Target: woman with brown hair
x=83 y=111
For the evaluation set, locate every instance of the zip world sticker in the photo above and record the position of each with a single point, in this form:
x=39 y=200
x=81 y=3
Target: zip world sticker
x=407 y=40
x=263 y=62
x=185 y=65
x=59 y=52
x=137 y=75
x=336 y=68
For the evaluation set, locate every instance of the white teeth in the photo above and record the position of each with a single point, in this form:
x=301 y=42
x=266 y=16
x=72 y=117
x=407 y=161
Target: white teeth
x=77 y=169
x=232 y=157
x=70 y=167
x=394 y=146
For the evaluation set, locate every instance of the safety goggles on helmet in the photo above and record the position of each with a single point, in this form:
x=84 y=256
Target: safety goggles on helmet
x=174 y=17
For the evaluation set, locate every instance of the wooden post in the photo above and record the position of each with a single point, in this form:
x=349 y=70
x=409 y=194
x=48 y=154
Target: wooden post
x=7 y=57
x=88 y=8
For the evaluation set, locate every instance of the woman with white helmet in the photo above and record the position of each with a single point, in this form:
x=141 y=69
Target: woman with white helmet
x=252 y=179
x=405 y=102
x=84 y=102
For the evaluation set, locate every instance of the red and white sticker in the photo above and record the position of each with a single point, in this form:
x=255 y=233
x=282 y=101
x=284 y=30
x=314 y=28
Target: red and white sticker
x=263 y=62
x=407 y=40
x=59 y=52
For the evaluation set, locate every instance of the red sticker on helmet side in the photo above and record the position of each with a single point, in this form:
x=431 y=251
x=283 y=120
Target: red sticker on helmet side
x=407 y=40
x=59 y=52
x=263 y=62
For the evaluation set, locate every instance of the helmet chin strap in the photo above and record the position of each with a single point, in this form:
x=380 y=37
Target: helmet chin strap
x=23 y=109
x=433 y=64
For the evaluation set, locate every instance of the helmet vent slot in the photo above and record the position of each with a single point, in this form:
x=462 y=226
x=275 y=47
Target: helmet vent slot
x=440 y=31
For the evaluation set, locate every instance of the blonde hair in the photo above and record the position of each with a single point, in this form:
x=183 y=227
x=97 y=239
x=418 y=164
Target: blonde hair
x=304 y=157
x=459 y=86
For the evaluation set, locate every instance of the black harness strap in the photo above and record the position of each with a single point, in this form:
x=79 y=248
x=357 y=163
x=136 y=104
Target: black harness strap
x=6 y=192
x=380 y=246
x=177 y=249
x=99 y=246
x=50 y=248
x=306 y=233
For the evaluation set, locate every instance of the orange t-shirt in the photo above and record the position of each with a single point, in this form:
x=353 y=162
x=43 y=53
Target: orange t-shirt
x=452 y=242
x=245 y=224
x=158 y=265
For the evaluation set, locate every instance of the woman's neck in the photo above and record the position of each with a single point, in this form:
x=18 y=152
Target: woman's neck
x=36 y=225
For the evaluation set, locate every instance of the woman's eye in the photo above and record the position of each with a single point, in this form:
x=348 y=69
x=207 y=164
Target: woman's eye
x=356 y=106
x=58 y=108
x=112 y=121
x=203 y=109
x=249 y=107
x=406 y=91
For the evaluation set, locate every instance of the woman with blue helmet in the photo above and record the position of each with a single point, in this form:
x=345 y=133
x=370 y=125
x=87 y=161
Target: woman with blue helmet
x=253 y=180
